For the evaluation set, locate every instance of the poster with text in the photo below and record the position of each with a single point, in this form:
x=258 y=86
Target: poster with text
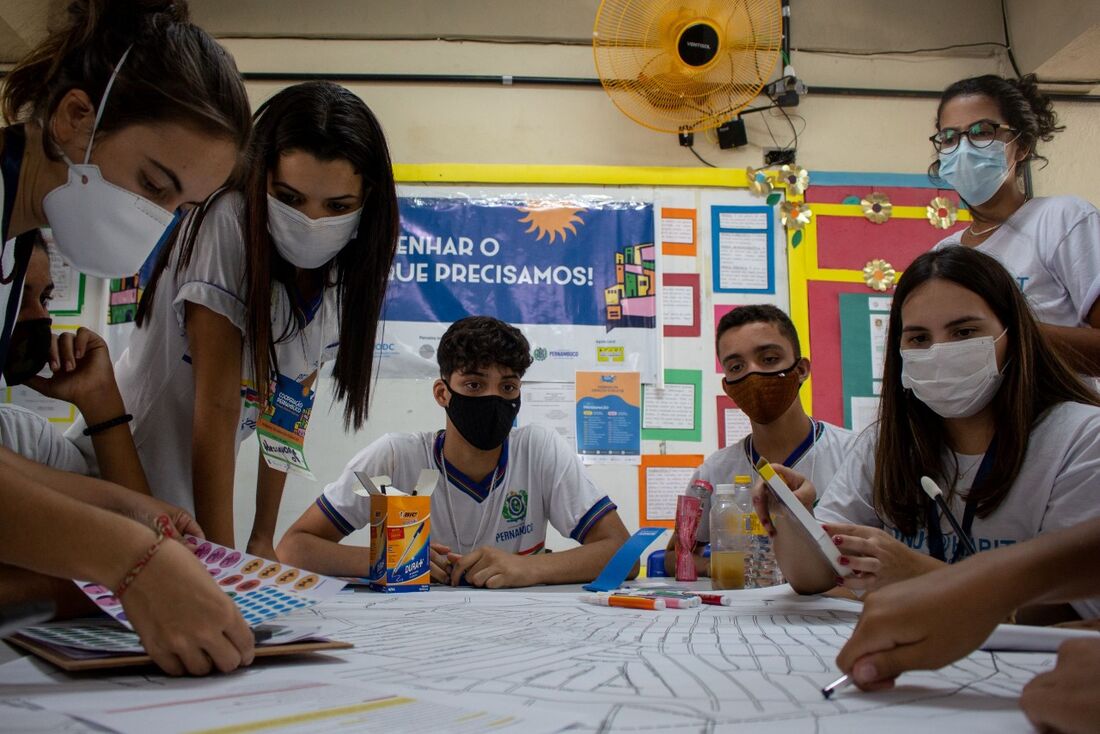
x=609 y=417
x=578 y=275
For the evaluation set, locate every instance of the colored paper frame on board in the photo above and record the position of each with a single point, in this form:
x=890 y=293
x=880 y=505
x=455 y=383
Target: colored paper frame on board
x=694 y=378
x=683 y=280
x=720 y=310
x=717 y=229
x=814 y=285
x=724 y=404
x=77 y=308
x=687 y=462
x=863 y=323
x=679 y=244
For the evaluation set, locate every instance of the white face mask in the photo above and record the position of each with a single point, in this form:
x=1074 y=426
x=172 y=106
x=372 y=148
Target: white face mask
x=954 y=379
x=102 y=229
x=308 y=243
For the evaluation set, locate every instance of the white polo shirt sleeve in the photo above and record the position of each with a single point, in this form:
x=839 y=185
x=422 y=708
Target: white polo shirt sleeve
x=30 y=435
x=847 y=498
x=572 y=502
x=341 y=502
x=214 y=277
x=1074 y=258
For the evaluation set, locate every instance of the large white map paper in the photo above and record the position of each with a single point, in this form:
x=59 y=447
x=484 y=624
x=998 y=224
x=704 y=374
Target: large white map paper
x=757 y=666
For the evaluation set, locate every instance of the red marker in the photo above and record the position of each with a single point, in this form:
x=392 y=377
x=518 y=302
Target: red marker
x=715 y=599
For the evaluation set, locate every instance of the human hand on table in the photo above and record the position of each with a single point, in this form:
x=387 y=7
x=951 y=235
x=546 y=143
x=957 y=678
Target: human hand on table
x=186 y=622
x=1067 y=699
x=924 y=623
x=440 y=563
x=491 y=568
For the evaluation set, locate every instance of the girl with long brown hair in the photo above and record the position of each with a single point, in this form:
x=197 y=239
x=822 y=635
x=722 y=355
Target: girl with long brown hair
x=279 y=273
x=974 y=398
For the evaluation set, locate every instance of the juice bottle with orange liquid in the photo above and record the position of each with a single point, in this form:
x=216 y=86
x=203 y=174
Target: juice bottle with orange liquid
x=730 y=528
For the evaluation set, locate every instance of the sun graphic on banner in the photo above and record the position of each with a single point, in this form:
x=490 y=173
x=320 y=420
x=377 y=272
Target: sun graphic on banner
x=551 y=219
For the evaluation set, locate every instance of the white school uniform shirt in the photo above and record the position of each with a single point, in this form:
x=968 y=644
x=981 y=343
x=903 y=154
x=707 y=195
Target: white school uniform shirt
x=1051 y=246
x=32 y=436
x=1058 y=486
x=538 y=479
x=155 y=373
x=818 y=459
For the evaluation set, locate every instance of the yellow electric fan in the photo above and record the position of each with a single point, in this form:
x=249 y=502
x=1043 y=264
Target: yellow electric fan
x=685 y=65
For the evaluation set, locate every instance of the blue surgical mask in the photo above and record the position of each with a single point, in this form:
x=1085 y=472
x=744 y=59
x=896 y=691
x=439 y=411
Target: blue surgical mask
x=976 y=173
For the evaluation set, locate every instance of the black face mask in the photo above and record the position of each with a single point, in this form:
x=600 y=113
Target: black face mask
x=483 y=421
x=28 y=350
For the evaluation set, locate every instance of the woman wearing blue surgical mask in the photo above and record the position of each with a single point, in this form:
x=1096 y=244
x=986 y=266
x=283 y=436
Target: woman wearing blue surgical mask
x=271 y=278
x=987 y=130
x=124 y=114
x=973 y=398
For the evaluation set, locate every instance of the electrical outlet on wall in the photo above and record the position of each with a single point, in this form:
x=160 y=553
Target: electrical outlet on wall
x=778 y=156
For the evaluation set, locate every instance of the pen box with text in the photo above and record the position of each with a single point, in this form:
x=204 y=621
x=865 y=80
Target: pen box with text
x=400 y=534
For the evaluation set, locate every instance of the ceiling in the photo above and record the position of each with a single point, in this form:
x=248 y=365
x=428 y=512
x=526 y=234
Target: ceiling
x=1056 y=38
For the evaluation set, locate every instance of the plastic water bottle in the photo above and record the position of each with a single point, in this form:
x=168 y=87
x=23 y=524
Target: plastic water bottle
x=761 y=568
x=730 y=529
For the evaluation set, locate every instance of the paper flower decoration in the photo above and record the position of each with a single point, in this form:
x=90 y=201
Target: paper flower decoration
x=942 y=212
x=759 y=183
x=879 y=275
x=794 y=214
x=796 y=178
x=876 y=207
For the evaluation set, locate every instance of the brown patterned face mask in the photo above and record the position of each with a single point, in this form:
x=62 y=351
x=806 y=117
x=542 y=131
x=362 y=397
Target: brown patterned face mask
x=764 y=396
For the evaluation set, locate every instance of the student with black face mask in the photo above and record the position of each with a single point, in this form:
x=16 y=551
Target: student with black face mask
x=80 y=373
x=498 y=486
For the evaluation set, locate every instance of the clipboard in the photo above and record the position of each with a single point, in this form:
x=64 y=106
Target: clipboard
x=69 y=664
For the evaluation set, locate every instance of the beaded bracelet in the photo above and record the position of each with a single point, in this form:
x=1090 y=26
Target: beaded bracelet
x=132 y=574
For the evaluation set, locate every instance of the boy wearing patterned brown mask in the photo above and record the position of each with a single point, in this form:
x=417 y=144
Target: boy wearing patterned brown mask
x=763 y=371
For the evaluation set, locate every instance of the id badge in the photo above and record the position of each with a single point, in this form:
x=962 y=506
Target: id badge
x=281 y=428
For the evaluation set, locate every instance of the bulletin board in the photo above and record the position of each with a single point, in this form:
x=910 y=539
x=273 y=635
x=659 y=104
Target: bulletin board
x=827 y=265
x=709 y=226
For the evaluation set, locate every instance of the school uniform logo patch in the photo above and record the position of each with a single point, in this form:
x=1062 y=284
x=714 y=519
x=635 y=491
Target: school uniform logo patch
x=515 y=506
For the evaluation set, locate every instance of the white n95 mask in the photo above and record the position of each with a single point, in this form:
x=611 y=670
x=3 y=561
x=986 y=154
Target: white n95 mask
x=954 y=379
x=308 y=243
x=102 y=229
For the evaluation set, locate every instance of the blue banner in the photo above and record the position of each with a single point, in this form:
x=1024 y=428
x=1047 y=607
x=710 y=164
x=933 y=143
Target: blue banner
x=578 y=275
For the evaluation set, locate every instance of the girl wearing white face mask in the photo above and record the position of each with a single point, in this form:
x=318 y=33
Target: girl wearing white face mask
x=987 y=129
x=974 y=398
x=123 y=114
x=272 y=277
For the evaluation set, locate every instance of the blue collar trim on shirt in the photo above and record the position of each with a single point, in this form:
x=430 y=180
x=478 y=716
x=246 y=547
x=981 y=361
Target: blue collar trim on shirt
x=477 y=491
x=816 y=430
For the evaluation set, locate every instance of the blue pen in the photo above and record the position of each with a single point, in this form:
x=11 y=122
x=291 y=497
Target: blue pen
x=412 y=543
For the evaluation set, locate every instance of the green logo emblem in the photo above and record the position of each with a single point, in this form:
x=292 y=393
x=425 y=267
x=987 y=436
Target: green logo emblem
x=515 y=506
x=540 y=354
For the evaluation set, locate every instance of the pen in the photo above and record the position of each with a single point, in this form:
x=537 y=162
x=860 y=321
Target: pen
x=840 y=682
x=629 y=602
x=936 y=494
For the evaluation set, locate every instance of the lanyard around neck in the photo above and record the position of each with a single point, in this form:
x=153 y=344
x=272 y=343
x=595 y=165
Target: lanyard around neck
x=935 y=532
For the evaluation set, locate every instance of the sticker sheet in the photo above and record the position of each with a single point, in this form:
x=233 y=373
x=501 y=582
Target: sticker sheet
x=262 y=589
